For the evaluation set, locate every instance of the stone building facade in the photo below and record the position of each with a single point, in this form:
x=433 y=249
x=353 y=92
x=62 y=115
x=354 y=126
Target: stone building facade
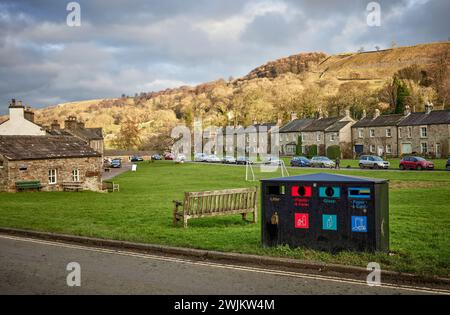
x=290 y=133
x=51 y=160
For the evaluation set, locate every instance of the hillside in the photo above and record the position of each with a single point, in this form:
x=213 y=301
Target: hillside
x=304 y=83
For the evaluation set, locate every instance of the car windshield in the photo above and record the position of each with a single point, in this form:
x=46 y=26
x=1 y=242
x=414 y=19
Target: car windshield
x=420 y=159
x=377 y=158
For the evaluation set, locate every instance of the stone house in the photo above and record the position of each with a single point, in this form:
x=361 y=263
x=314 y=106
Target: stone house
x=52 y=160
x=426 y=133
x=376 y=135
x=290 y=133
x=20 y=122
x=326 y=132
x=92 y=136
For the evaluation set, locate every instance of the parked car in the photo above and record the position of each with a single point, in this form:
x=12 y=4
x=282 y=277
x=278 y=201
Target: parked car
x=200 y=157
x=273 y=160
x=447 y=166
x=415 y=163
x=322 y=161
x=213 y=159
x=136 y=158
x=156 y=157
x=116 y=163
x=229 y=160
x=169 y=157
x=181 y=158
x=372 y=161
x=300 y=161
x=243 y=160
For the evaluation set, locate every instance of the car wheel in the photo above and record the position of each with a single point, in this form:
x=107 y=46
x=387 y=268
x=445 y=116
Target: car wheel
x=402 y=167
x=375 y=167
x=361 y=166
x=322 y=165
x=419 y=168
x=448 y=168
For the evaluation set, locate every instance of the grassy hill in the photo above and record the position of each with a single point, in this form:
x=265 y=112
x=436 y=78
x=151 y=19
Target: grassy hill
x=301 y=83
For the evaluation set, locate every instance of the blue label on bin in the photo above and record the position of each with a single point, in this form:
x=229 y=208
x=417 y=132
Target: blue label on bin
x=329 y=222
x=330 y=192
x=359 y=224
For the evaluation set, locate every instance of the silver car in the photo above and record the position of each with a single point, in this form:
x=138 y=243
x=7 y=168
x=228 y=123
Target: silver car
x=322 y=161
x=374 y=162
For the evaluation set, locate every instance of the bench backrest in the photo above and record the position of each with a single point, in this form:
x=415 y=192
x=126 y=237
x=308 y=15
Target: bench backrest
x=28 y=184
x=220 y=201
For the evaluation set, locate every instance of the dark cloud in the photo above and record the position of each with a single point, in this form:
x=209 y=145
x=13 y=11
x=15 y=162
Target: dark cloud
x=140 y=45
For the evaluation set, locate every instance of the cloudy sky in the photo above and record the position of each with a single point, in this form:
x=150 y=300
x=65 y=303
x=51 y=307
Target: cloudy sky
x=136 y=45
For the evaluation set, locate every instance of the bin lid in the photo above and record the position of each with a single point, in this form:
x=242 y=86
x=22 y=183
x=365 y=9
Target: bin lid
x=326 y=177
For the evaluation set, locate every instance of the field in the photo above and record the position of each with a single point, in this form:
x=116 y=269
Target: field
x=141 y=212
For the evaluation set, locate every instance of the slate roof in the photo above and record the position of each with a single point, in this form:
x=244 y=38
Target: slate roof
x=321 y=124
x=326 y=177
x=269 y=126
x=337 y=126
x=296 y=125
x=436 y=117
x=380 y=121
x=88 y=133
x=17 y=148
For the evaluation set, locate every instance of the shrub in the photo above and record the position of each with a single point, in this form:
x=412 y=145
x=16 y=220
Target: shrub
x=334 y=152
x=298 y=148
x=312 y=151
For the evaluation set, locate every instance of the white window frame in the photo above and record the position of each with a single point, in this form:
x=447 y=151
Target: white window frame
x=361 y=133
x=400 y=130
x=303 y=137
x=333 y=137
x=75 y=175
x=372 y=133
x=372 y=148
x=388 y=149
x=319 y=137
x=409 y=132
x=52 y=176
x=422 y=146
x=388 y=132
x=422 y=134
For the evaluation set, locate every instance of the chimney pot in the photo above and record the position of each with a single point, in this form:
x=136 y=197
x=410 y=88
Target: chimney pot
x=377 y=113
x=407 y=110
x=364 y=114
x=293 y=116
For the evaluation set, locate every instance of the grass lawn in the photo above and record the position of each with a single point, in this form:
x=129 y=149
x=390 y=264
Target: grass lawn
x=142 y=212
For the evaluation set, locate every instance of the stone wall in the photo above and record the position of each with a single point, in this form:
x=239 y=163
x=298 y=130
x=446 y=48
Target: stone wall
x=437 y=135
x=3 y=172
x=90 y=170
x=379 y=141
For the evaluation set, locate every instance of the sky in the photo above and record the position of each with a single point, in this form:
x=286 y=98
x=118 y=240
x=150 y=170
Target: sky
x=124 y=47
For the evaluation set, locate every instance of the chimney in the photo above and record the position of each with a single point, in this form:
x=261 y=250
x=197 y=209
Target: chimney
x=319 y=114
x=55 y=125
x=364 y=114
x=407 y=110
x=29 y=114
x=16 y=110
x=255 y=122
x=293 y=116
x=71 y=123
x=429 y=107
x=376 y=114
x=81 y=125
x=279 y=122
x=347 y=113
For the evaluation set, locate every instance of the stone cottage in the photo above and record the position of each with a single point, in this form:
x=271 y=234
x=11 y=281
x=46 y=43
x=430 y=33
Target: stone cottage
x=290 y=133
x=54 y=161
x=376 y=135
x=326 y=132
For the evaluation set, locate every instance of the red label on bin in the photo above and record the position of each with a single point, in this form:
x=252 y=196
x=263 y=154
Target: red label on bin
x=301 y=191
x=302 y=221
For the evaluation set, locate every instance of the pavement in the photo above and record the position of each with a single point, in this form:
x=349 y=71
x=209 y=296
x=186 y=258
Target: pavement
x=33 y=266
x=113 y=172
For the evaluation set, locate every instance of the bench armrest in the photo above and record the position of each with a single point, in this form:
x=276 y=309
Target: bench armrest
x=177 y=203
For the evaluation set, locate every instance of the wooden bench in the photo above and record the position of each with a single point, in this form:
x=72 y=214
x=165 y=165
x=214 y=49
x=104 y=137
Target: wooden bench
x=111 y=186
x=216 y=203
x=72 y=186
x=25 y=185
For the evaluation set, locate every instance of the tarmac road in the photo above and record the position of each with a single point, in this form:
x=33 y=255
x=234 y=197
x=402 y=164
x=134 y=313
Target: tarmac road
x=30 y=266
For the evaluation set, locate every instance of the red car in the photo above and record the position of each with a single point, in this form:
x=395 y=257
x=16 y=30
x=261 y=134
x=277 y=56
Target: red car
x=169 y=157
x=415 y=163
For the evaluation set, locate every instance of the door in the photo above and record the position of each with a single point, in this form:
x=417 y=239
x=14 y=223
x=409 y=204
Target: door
x=438 y=150
x=380 y=151
x=406 y=148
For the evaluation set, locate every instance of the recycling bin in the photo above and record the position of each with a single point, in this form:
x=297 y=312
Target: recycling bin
x=326 y=212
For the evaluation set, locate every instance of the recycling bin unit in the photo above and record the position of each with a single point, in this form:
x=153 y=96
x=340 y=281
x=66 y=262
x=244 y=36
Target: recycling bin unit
x=326 y=212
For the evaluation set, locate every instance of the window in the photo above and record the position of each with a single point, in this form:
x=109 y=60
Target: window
x=388 y=132
x=424 y=148
x=423 y=132
x=319 y=137
x=1 y=164
x=52 y=176
x=372 y=148
x=76 y=175
x=372 y=133
x=409 y=132
x=361 y=133
x=388 y=149
x=400 y=133
x=333 y=137
x=303 y=137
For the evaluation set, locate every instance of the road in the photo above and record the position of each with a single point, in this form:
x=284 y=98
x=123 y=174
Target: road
x=29 y=266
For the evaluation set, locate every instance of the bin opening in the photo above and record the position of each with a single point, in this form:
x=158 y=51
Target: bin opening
x=276 y=190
